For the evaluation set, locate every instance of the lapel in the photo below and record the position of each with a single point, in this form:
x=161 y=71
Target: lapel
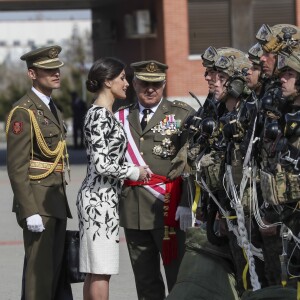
x=43 y=107
x=134 y=120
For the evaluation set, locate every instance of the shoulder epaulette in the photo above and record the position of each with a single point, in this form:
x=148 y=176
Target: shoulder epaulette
x=125 y=106
x=181 y=104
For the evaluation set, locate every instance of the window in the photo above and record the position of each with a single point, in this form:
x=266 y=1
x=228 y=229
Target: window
x=209 y=24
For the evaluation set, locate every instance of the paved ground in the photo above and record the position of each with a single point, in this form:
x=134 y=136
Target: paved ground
x=11 y=247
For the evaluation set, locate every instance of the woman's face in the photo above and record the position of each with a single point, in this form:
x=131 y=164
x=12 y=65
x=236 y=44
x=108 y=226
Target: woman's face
x=119 y=86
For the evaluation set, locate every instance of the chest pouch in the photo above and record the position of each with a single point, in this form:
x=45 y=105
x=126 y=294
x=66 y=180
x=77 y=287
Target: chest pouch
x=273 y=187
x=292 y=124
x=293 y=187
x=214 y=173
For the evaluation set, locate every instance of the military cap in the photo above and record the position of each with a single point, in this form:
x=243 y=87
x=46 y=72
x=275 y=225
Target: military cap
x=43 y=58
x=149 y=70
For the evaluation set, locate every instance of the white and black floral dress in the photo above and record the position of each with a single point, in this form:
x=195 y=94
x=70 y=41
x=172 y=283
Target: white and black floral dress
x=98 y=197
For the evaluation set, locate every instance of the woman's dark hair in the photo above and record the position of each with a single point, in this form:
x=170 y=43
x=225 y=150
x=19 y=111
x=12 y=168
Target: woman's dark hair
x=106 y=68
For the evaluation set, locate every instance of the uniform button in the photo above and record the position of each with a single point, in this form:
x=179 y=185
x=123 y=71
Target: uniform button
x=141 y=138
x=50 y=134
x=39 y=181
x=142 y=153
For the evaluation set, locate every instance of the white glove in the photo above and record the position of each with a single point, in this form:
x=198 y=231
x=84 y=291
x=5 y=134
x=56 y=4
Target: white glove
x=35 y=223
x=184 y=215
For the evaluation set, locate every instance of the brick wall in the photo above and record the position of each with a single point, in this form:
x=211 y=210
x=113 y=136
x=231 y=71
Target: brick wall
x=184 y=75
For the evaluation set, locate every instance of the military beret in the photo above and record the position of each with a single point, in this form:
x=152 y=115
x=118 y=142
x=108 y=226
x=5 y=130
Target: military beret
x=149 y=70
x=43 y=58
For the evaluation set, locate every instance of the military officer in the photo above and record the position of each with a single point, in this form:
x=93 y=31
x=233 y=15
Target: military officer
x=36 y=161
x=155 y=131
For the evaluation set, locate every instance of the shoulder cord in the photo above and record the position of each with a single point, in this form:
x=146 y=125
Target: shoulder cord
x=58 y=152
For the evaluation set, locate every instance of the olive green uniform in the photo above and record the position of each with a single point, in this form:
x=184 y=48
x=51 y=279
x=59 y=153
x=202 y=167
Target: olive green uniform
x=141 y=214
x=45 y=196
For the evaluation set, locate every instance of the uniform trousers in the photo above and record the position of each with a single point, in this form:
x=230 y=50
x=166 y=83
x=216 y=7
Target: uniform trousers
x=144 y=248
x=44 y=254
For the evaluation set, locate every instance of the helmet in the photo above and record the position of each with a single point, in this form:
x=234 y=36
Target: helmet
x=254 y=53
x=278 y=37
x=232 y=64
x=291 y=60
x=237 y=68
x=211 y=54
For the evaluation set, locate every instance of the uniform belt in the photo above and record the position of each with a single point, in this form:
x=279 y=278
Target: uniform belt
x=43 y=165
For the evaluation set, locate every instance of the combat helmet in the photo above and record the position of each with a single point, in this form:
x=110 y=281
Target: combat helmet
x=254 y=53
x=237 y=69
x=211 y=55
x=280 y=37
x=289 y=60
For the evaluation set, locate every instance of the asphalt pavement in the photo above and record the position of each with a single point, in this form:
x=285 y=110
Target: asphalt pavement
x=122 y=286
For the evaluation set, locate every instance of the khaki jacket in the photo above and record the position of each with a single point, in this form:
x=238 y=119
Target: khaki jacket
x=46 y=196
x=138 y=208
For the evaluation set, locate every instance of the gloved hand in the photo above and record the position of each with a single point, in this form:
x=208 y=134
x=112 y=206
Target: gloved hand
x=179 y=164
x=184 y=215
x=35 y=223
x=207 y=160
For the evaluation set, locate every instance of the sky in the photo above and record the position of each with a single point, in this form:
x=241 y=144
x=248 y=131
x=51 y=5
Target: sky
x=42 y=14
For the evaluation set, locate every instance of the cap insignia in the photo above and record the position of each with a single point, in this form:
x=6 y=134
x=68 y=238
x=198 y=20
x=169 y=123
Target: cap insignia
x=151 y=67
x=52 y=53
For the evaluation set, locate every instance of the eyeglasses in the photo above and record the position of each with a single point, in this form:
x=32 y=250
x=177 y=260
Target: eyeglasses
x=148 y=84
x=264 y=33
x=210 y=54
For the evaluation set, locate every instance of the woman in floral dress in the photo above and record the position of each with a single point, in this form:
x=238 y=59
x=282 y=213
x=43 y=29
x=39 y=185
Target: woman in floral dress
x=98 y=197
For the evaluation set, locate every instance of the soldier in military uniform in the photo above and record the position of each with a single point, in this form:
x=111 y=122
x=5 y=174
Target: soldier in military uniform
x=154 y=127
x=36 y=160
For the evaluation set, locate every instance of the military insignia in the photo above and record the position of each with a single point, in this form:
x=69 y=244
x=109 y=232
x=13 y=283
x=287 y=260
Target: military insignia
x=39 y=112
x=165 y=150
x=46 y=121
x=52 y=53
x=151 y=67
x=157 y=150
x=168 y=126
x=17 y=127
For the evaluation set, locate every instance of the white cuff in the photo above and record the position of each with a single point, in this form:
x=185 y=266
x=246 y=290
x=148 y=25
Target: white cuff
x=133 y=173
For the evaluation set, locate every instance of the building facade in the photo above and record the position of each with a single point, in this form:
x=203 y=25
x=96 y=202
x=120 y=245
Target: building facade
x=175 y=32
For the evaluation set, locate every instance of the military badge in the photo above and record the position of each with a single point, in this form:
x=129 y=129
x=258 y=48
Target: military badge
x=168 y=126
x=53 y=53
x=17 y=127
x=165 y=150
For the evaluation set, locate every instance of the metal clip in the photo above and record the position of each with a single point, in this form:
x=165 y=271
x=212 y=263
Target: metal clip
x=295 y=162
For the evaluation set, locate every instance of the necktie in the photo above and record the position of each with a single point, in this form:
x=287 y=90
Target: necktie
x=53 y=109
x=144 y=120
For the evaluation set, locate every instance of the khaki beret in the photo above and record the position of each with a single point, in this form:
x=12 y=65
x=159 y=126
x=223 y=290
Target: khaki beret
x=43 y=58
x=149 y=70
